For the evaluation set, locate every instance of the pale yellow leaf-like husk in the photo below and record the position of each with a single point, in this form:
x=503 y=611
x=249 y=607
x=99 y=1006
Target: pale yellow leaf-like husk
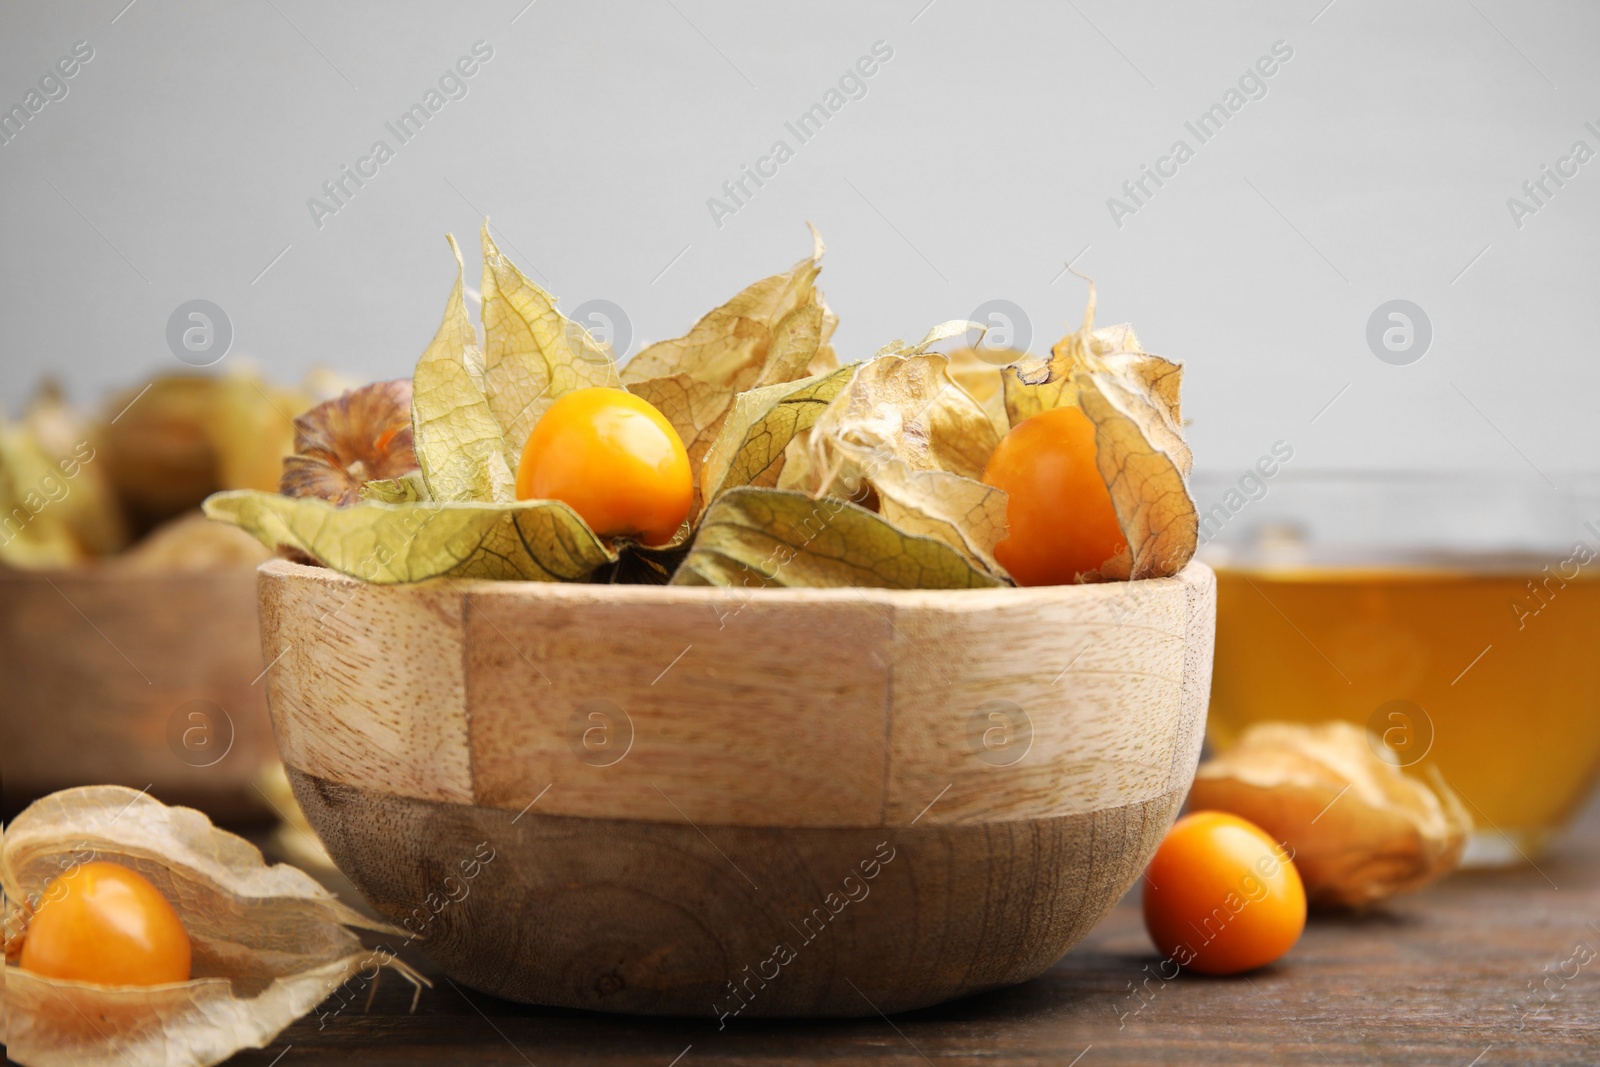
x=533 y=354
x=756 y=433
x=983 y=377
x=729 y=346
x=697 y=402
x=908 y=408
x=1142 y=462
x=826 y=358
x=965 y=514
x=458 y=442
x=904 y=427
x=1023 y=400
x=1359 y=827
x=406 y=489
x=1035 y=385
x=795 y=342
x=794 y=470
x=1151 y=385
x=535 y=540
x=270 y=944
x=942 y=332
x=752 y=537
x=200 y=1022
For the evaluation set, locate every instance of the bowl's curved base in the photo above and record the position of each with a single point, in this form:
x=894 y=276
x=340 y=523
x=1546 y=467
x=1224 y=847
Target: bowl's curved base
x=672 y=919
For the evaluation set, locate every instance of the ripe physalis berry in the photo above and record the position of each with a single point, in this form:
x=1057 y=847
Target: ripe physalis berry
x=612 y=458
x=104 y=923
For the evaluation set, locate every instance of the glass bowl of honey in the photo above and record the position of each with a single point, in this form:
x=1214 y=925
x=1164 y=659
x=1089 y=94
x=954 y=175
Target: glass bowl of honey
x=1457 y=617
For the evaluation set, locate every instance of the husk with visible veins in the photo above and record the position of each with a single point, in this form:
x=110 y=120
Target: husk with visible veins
x=698 y=409
x=729 y=345
x=1131 y=397
x=906 y=429
x=982 y=375
x=1361 y=829
x=269 y=943
x=532 y=354
x=753 y=537
x=533 y=540
x=755 y=392
x=752 y=444
x=770 y=333
x=457 y=433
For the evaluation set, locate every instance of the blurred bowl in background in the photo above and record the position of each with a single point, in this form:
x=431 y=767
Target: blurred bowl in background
x=137 y=674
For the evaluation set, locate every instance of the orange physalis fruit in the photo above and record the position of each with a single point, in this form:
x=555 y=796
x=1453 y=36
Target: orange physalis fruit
x=1221 y=897
x=1058 y=509
x=104 y=923
x=612 y=458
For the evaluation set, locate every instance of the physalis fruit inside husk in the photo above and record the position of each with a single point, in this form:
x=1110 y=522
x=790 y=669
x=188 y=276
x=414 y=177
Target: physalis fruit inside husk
x=802 y=472
x=267 y=944
x=1360 y=828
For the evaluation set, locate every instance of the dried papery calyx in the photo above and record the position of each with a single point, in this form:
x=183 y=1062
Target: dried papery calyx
x=774 y=429
x=1360 y=828
x=344 y=443
x=269 y=944
x=905 y=437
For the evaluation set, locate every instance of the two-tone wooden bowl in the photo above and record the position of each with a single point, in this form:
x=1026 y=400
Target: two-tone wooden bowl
x=137 y=678
x=758 y=803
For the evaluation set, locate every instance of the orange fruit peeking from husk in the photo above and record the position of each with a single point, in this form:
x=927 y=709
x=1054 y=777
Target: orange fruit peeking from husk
x=612 y=458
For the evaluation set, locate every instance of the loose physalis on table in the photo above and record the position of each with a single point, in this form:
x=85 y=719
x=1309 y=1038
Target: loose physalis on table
x=139 y=935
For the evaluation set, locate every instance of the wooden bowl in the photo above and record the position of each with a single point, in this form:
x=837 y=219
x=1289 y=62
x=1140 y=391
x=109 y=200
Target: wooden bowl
x=771 y=802
x=142 y=679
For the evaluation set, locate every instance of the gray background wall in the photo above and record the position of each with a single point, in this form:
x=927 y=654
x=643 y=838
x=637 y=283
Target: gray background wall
x=1377 y=166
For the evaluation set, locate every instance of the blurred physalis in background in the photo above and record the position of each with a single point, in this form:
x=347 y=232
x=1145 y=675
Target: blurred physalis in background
x=75 y=489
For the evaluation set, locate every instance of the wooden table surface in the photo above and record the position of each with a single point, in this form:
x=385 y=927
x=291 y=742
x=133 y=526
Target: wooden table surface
x=1446 y=976
x=1487 y=968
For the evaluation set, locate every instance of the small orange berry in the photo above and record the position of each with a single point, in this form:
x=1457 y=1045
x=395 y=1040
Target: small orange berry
x=104 y=923
x=612 y=458
x=1059 y=511
x=1221 y=897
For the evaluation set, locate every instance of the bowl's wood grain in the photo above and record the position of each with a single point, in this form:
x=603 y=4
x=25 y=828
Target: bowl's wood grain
x=783 y=708
x=1021 y=750
x=669 y=919
x=96 y=665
